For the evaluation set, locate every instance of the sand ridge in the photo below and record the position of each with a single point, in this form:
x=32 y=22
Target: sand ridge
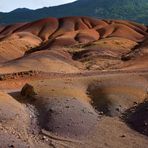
x=72 y=44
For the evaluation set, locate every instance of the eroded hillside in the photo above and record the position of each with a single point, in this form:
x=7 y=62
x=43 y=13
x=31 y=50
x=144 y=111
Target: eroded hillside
x=74 y=82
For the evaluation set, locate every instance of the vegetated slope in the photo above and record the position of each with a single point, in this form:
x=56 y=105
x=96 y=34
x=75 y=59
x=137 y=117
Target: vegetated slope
x=73 y=43
x=135 y=10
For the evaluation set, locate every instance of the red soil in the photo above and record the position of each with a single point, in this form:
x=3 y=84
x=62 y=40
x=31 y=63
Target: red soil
x=87 y=83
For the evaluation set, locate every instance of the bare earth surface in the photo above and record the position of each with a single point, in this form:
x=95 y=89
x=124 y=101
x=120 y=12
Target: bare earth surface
x=74 y=82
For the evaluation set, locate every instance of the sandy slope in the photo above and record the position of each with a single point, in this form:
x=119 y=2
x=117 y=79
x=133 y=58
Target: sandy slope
x=74 y=82
x=76 y=112
x=89 y=44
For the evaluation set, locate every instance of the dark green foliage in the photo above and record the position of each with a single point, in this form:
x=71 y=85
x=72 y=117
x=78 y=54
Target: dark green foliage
x=136 y=10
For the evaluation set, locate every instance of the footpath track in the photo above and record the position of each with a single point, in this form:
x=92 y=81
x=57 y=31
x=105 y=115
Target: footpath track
x=45 y=75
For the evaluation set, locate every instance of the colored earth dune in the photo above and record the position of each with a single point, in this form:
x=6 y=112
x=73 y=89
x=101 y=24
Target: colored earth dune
x=74 y=82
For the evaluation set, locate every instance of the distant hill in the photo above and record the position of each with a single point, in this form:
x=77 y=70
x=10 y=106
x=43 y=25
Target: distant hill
x=135 y=10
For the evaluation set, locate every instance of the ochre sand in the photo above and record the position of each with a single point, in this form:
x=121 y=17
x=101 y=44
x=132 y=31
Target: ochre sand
x=74 y=82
